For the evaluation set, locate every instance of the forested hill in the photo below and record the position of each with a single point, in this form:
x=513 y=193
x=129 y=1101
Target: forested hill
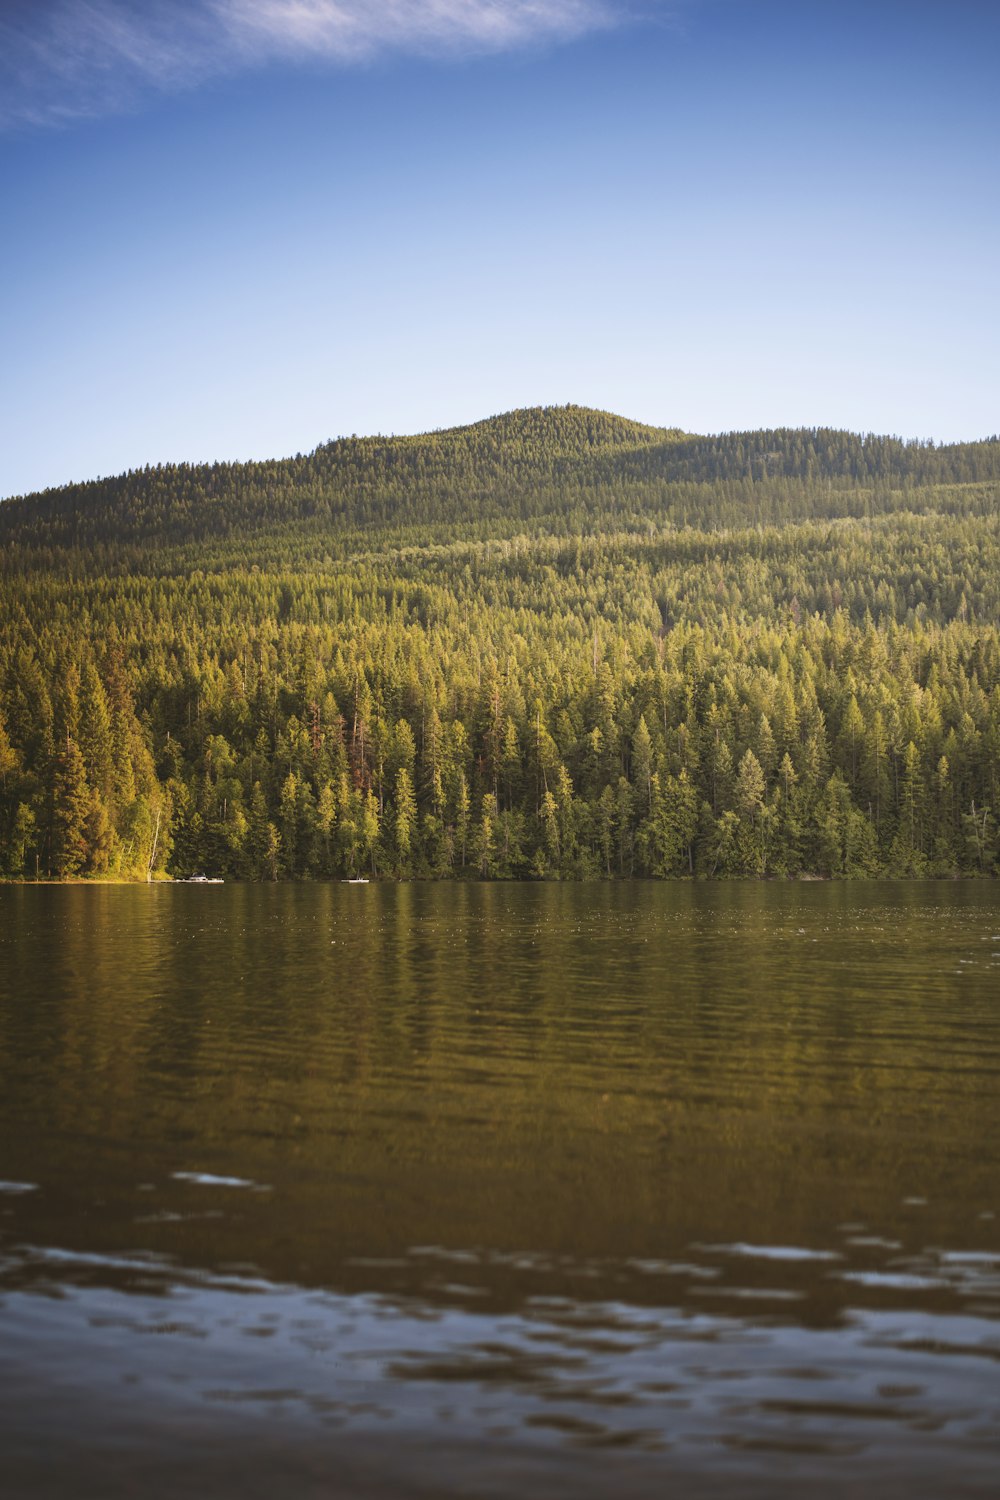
x=552 y=645
x=558 y=468
x=523 y=463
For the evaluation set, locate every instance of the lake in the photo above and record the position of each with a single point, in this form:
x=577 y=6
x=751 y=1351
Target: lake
x=490 y=1190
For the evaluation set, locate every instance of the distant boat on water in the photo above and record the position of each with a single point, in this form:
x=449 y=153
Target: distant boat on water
x=201 y=880
x=356 y=880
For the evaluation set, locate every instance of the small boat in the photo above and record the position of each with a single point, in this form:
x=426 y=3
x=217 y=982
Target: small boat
x=202 y=880
x=356 y=880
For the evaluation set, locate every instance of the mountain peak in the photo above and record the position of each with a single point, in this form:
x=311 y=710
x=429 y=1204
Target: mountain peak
x=576 y=427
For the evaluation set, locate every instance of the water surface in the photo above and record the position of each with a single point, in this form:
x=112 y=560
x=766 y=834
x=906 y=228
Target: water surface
x=497 y=1190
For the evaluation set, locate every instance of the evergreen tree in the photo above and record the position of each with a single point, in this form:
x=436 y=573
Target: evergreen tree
x=71 y=812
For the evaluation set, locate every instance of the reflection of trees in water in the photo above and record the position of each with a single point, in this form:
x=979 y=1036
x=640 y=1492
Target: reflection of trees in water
x=602 y=1071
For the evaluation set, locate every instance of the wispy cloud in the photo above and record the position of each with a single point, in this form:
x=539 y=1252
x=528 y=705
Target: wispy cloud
x=347 y=29
x=62 y=60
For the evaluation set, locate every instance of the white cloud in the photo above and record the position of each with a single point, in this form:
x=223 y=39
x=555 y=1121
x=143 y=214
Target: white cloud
x=346 y=29
x=66 y=59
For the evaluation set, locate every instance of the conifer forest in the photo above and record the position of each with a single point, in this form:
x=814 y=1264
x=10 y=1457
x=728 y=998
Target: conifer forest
x=552 y=645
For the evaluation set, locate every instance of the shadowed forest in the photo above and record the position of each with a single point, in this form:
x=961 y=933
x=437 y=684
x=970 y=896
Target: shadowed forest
x=555 y=644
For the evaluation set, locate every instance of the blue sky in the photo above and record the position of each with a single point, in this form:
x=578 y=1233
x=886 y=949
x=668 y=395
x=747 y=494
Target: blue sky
x=237 y=228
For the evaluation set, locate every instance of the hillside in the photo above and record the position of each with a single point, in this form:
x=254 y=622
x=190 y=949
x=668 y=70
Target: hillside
x=553 y=644
x=544 y=468
x=517 y=464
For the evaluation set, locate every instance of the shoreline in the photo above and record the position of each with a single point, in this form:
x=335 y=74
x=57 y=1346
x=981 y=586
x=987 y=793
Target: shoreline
x=802 y=879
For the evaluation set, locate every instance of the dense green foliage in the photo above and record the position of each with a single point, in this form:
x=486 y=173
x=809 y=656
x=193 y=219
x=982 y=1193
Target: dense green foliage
x=553 y=644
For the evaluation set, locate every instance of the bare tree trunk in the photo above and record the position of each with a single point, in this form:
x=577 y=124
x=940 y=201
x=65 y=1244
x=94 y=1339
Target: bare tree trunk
x=152 y=852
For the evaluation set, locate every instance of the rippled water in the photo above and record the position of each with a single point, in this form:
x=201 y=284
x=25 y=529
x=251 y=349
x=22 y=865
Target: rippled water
x=493 y=1191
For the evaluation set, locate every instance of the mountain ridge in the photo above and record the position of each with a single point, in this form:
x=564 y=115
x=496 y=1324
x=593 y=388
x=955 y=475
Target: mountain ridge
x=600 y=427
x=550 y=468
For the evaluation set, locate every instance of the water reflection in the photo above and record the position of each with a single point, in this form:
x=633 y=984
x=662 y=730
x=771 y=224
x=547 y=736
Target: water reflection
x=608 y=1185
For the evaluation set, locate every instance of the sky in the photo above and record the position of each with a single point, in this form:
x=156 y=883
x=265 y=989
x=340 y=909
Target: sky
x=235 y=229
